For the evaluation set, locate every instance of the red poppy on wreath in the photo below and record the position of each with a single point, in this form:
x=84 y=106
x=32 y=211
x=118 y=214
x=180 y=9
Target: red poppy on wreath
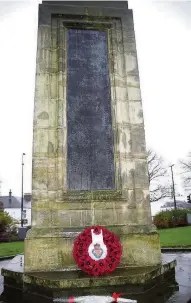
x=97 y=251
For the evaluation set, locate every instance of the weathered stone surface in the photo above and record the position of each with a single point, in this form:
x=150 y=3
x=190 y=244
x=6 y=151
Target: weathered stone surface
x=48 y=254
x=133 y=80
x=40 y=178
x=42 y=91
x=141 y=249
x=44 y=37
x=124 y=137
x=131 y=62
x=138 y=139
x=43 y=116
x=127 y=174
x=141 y=172
x=134 y=93
x=42 y=218
x=136 y=112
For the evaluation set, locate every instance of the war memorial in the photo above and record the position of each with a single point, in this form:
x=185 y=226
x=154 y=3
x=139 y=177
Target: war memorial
x=92 y=230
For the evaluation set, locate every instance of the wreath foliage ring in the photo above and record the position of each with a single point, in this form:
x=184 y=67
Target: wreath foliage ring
x=97 y=267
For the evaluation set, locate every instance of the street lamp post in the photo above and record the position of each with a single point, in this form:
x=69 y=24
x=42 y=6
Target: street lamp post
x=23 y=154
x=173 y=187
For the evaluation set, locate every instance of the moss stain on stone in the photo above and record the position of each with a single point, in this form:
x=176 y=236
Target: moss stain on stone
x=50 y=149
x=140 y=114
x=124 y=140
x=43 y=116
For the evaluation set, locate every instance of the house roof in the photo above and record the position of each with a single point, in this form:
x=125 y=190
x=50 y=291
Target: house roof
x=15 y=202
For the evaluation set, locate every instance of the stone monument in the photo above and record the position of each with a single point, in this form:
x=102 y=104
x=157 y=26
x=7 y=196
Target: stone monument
x=89 y=153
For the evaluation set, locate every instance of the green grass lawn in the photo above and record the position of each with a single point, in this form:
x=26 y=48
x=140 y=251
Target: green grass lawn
x=11 y=248
x=176 y=237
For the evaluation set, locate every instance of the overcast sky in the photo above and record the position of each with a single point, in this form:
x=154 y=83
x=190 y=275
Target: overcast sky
x=163 y=32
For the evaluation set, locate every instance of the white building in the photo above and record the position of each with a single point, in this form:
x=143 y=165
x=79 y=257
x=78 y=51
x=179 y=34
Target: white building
x=12 y=205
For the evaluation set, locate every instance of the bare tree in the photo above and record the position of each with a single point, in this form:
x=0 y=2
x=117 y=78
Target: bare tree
x=157 y=174
x=156 y=168
x=186 y=171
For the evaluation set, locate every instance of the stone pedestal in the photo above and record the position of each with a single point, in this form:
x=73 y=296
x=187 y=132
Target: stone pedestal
x=148 y=284
x=60 y=211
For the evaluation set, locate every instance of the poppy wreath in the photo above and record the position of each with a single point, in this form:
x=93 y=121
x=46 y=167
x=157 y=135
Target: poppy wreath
x=84 y=256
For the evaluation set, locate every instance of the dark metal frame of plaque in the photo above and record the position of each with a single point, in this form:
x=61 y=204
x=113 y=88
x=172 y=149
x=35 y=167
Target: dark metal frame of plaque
x=84 y=24
x=101 y=24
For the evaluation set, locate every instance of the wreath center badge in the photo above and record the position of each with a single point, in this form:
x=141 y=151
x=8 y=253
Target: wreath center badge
x=97 y=251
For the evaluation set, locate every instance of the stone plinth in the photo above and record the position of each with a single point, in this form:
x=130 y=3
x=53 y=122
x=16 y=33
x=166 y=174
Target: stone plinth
x=54 y=251
x=48 y=286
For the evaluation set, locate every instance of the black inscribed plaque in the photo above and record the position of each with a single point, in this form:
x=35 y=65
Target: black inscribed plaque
x=90 y=160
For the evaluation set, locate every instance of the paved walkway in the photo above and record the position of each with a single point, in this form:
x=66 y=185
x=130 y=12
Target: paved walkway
x=183 y=277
